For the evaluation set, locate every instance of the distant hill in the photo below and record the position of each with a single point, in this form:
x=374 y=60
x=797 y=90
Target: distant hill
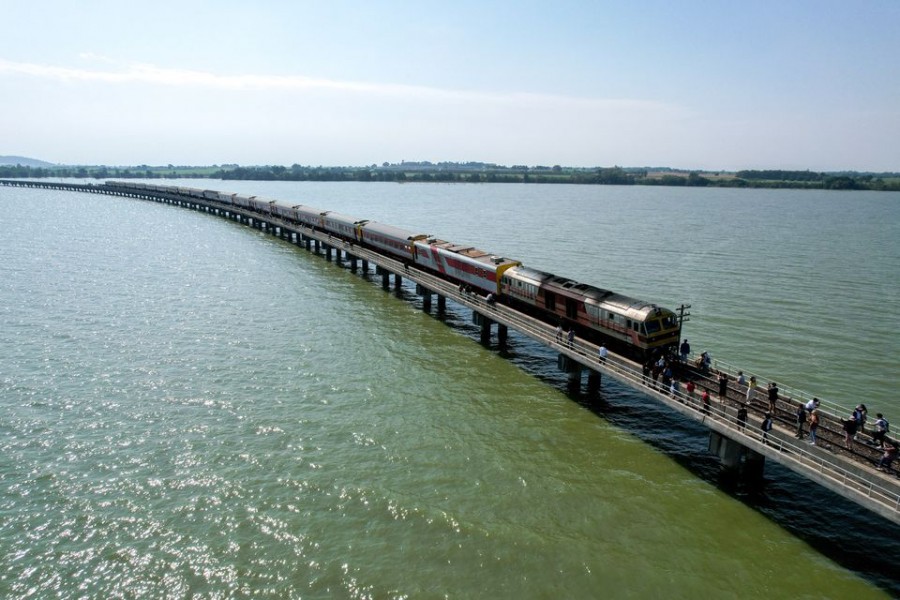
x=24 y=161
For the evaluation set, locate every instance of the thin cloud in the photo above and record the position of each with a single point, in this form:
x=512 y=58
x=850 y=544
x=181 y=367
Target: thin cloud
x=140 y=73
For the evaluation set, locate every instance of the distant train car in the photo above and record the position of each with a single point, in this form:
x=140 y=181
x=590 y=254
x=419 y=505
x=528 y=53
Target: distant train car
x=261 y=205
x=284 y=210
x=225 y=198
x=462 y=264
x=310 y=217
x=343 y=226
x=393 y=240
x=191 y=192
x=242 y=201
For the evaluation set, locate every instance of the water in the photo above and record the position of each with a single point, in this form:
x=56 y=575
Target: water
x=189 y=408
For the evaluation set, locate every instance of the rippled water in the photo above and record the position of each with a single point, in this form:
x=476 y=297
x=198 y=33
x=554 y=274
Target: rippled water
x=189 y=408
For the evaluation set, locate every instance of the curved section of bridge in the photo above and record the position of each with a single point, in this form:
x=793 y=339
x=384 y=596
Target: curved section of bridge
x=742 y=447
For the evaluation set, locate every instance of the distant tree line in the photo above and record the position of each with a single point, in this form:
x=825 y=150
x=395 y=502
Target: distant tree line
x=474 y=172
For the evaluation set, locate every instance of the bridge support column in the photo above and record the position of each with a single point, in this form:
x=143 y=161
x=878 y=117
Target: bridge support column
x=573 y=368
x=574 y=383
x=353 y=263
x=426 y=297
x=327 y=251
x=317 y=245
x=442 y=304
x=365 y=266
x=595 y=379
x=397 y=281
x=308 y=243
x=385 y=277
x=737 y=459
x=485 y=323
x=502 y=335
x=338 y=256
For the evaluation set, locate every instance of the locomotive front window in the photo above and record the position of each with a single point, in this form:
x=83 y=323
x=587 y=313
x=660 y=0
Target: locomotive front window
x=652 y=326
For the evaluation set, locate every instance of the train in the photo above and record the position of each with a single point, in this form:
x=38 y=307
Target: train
x=628 y=326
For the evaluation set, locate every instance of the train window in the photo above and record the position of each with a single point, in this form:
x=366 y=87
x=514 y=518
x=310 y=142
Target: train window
x=652 y=326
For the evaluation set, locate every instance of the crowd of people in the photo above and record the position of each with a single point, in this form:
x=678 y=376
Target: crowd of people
x=660 y=374
x=670 y=373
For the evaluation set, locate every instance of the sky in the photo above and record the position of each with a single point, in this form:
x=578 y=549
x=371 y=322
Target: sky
x=708 y=85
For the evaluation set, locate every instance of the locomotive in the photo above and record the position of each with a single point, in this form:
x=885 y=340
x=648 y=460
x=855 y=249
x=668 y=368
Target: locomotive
x=626 y=325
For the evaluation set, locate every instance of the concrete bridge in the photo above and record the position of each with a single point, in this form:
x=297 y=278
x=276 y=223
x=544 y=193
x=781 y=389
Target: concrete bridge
x=743 y=449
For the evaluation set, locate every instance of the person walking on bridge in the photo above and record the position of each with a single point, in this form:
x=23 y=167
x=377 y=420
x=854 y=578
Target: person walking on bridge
x=801 y=420
x=850 y=426
x=813 y=425
x=773 y=397
x=766 y=427
x=723 y=386
x=881 y=429
x=751 y=388
x=685 y=350
x=890 y=453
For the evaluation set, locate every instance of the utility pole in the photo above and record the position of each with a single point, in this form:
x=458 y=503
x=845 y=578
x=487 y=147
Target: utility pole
x=683 y=315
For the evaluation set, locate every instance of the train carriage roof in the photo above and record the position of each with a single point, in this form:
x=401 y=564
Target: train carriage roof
x=397 y=233
x=528 y=275
x=342 y=218
x=474 y=254
x=632 y=307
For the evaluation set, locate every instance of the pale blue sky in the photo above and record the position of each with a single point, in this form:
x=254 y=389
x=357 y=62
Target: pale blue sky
x=711 y=85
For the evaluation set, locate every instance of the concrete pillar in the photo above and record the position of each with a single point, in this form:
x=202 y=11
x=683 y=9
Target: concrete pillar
x=502 y=334
x=442 y=304
x=574 y=383
x=365 y=266
x=308 y=243
x=737 y=459
x=338 y=256
x=353 y=263
x=397 y=281
x=385 y=277
x=317 y=245
x=426 y=297
x=485 y=324
x=595 y=379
